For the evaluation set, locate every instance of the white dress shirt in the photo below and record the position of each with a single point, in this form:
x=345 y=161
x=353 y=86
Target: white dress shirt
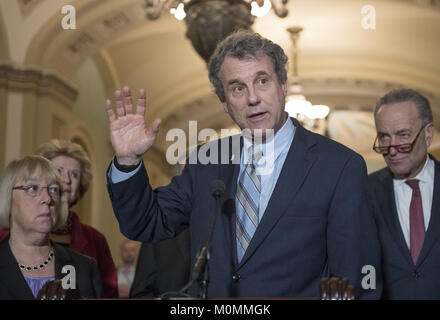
x=270 y=165
x=403 y=196
x=126 y=274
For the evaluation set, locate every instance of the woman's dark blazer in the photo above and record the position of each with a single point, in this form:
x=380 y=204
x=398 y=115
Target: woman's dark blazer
x=14 y=286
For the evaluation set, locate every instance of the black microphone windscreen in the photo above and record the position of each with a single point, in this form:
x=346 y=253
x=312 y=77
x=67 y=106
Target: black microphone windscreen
x=217 y=188
x=228 y=207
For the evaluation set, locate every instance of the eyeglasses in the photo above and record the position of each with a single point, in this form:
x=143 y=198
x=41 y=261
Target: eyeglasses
x=402 y=148
x=35 y=190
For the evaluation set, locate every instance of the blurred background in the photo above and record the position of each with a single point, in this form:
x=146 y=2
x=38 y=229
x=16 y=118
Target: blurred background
x=54 y=81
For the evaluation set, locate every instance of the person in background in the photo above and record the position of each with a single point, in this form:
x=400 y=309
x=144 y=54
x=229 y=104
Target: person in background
x=76 y=175
x=31 y=205
x=163 y=267
x=127 y=269
x=406 y=196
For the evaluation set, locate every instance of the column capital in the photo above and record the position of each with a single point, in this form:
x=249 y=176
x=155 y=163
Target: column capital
x=26 y=77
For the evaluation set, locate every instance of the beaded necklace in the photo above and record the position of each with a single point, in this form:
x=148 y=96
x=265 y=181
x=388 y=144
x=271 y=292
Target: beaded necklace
x=41 y=266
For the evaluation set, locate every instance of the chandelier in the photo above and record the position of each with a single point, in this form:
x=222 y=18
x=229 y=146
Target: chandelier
x=210 y=21
x=296 y=103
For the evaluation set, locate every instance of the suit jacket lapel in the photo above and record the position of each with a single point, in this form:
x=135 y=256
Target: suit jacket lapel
x=433 y=231
x=229 y=174
x=11 y=275
x=62 y=258
x=387 y=202
x=299 y=160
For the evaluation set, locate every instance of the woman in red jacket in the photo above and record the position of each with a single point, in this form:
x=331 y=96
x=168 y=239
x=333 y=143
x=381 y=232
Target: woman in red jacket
x=75 y=171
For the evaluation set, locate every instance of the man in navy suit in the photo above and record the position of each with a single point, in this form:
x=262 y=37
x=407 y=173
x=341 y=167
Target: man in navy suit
x=406 y=198
x=296 y=204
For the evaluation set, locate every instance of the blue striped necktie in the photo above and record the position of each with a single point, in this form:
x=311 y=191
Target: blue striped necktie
x=248 y=196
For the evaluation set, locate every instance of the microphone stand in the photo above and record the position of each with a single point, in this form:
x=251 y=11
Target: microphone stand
x=200 y=272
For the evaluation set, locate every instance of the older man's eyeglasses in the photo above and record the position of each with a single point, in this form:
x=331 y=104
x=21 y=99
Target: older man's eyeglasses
x=402 y=148
x=35 y=190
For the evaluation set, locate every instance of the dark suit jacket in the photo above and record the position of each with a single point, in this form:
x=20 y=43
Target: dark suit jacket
x=315 y=223
x=90 y=242
x=162 y=267
x=13 y=285
x=401 y=278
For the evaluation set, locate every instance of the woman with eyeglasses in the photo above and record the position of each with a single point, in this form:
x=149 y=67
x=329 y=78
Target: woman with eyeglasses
x=75 y=172
x=31 y=205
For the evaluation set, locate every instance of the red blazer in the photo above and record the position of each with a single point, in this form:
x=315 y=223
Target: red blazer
x=3 y=234
x=89 y=241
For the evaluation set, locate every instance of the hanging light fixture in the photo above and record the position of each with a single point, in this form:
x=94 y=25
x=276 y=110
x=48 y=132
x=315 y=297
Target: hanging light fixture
x=296 y=103
x=210 y=21
x=258 y=8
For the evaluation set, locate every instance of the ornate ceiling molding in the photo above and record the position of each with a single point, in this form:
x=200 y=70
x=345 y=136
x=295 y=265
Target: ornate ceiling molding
x=31 y=78
x=359 y=87
x=98 y=24
x=434 y=4
x=355 y=94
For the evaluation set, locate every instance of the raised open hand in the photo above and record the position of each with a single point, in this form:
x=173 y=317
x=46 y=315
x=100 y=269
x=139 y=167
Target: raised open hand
x=128 y=134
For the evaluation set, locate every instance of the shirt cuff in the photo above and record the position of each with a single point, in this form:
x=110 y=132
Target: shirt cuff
x=117 y=175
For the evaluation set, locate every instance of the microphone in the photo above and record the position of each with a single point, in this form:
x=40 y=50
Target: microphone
x=200 y=272
x=217 y=188
x=228 y=207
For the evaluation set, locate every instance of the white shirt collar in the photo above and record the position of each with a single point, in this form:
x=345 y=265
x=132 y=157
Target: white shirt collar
x=426 y=175
x=281 y=139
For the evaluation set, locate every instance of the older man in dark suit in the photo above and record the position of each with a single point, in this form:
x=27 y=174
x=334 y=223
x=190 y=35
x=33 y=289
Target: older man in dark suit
x=406 y=196
x=300 y=208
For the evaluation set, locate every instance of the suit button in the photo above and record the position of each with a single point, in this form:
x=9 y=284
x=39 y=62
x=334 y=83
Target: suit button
x=236 y=277
x=416 y=274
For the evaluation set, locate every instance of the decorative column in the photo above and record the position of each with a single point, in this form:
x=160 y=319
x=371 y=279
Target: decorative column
x=36 y=106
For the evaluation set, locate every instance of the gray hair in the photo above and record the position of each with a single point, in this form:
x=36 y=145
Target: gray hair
x=402 y=95
x=245 y=45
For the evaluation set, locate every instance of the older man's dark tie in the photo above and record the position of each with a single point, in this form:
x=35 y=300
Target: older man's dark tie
x=416 y=220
